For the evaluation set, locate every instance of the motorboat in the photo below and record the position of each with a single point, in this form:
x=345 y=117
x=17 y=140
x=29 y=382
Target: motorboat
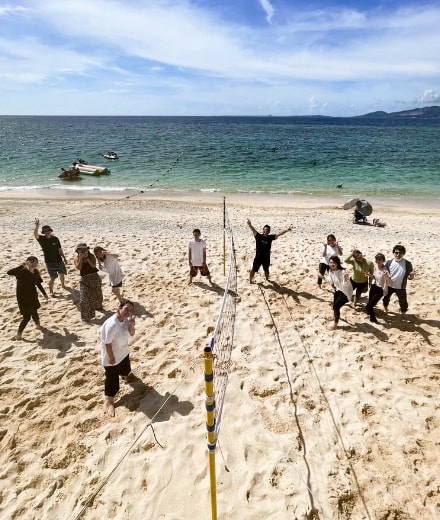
x=72 y=174
x=111 y=155
x=90 y=169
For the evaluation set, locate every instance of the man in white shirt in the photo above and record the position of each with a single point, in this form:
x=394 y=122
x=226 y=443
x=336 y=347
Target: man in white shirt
x=400 y=270
x=197 y=257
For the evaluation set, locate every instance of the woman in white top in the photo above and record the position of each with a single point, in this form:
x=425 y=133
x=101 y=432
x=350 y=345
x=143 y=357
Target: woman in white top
x=331 y=248
x=109 y=262
x=379 y=287
x=340 y=279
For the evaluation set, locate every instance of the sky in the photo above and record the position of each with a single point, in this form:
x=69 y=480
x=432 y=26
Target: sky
x=208 y=57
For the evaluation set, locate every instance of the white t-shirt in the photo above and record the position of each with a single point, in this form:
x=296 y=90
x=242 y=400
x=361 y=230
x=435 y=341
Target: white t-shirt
x=115 y=332
x=337 y=279
x=397 y=272
x=381 y=279
x=330 y=251
x=112 y=267
x=197 y=248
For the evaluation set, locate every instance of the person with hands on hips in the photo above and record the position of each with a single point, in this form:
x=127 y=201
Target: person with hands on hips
x=115 y=334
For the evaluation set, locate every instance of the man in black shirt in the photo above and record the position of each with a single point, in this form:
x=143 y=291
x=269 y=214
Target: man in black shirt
x=263 y=243
x=53 y=254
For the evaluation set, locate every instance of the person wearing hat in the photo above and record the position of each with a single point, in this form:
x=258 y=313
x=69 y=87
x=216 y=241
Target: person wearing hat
x=90 y=285
x=53 y=254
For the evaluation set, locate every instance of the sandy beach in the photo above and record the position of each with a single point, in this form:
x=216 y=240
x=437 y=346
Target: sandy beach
x=316 y=424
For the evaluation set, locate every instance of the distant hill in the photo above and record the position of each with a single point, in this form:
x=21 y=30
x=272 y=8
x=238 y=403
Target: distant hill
x=416 y=113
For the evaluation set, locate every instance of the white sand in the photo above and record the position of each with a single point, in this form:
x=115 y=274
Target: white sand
x=342 y=423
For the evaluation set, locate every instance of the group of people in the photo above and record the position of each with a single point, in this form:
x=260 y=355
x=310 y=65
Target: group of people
x=380 y=280
x=383 y=279
x=115 y=331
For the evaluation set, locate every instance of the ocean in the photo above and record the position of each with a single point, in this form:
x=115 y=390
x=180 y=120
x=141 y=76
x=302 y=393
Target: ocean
x=386 y=158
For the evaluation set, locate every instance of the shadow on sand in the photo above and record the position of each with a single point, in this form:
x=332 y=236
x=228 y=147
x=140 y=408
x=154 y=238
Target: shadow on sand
x=147 y=400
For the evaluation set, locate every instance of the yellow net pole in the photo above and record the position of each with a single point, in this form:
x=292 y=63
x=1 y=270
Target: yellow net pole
x=224 y=236
x=210 y=426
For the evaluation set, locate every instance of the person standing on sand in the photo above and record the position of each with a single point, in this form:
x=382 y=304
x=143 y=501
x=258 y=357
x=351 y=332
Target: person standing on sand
x=115 y=333
x=197 y=257
x=53 y=254
x=27 y=297
x=340 y=279
x=331 y=248
x=362 y=271
x=400 y=270
x=379 y=287
x=90 y=285
x=263 y=245
x=109 y=262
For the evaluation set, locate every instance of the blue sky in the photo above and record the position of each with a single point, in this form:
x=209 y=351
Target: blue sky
x=202 y=57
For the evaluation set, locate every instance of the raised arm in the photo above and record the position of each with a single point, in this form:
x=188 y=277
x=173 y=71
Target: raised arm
x=350 y=258
x=251 y=227
x=284 y=232
x=37 y=226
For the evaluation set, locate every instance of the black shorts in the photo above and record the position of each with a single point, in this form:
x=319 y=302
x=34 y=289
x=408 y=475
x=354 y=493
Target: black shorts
x=261 y=262
x=112 y=373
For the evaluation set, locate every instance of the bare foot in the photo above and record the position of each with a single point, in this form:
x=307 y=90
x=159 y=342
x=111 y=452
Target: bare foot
x=110 y=406
x=17 y=337
x=332 y=326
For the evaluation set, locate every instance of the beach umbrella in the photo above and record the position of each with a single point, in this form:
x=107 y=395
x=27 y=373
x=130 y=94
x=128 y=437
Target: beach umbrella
x=350 y=203
x=364 y=207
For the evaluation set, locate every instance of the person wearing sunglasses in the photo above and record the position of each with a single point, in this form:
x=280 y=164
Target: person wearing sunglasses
x=400 y=270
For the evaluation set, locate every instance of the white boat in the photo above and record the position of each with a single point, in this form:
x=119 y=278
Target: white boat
x=111 y=155
x=90 y=169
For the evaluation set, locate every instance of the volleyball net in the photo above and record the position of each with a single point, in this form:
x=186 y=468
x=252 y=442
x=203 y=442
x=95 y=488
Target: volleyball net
x=218 y=356
x=223 y=336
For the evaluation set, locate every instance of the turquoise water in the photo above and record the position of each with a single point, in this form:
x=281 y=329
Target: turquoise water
x=385 y=158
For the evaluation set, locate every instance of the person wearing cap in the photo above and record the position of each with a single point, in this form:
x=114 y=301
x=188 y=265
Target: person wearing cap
x=90 y=285
x=53 y=254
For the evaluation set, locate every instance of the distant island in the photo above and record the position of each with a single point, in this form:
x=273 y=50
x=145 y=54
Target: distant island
x=416 y=113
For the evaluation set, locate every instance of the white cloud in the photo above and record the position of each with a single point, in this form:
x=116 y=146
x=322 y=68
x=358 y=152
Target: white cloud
x=175 y=53
x=429 y=96
x=8 y=9
x=268 y=9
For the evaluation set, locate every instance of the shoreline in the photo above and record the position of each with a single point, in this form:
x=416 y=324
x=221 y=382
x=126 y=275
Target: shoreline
x=288 y=201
